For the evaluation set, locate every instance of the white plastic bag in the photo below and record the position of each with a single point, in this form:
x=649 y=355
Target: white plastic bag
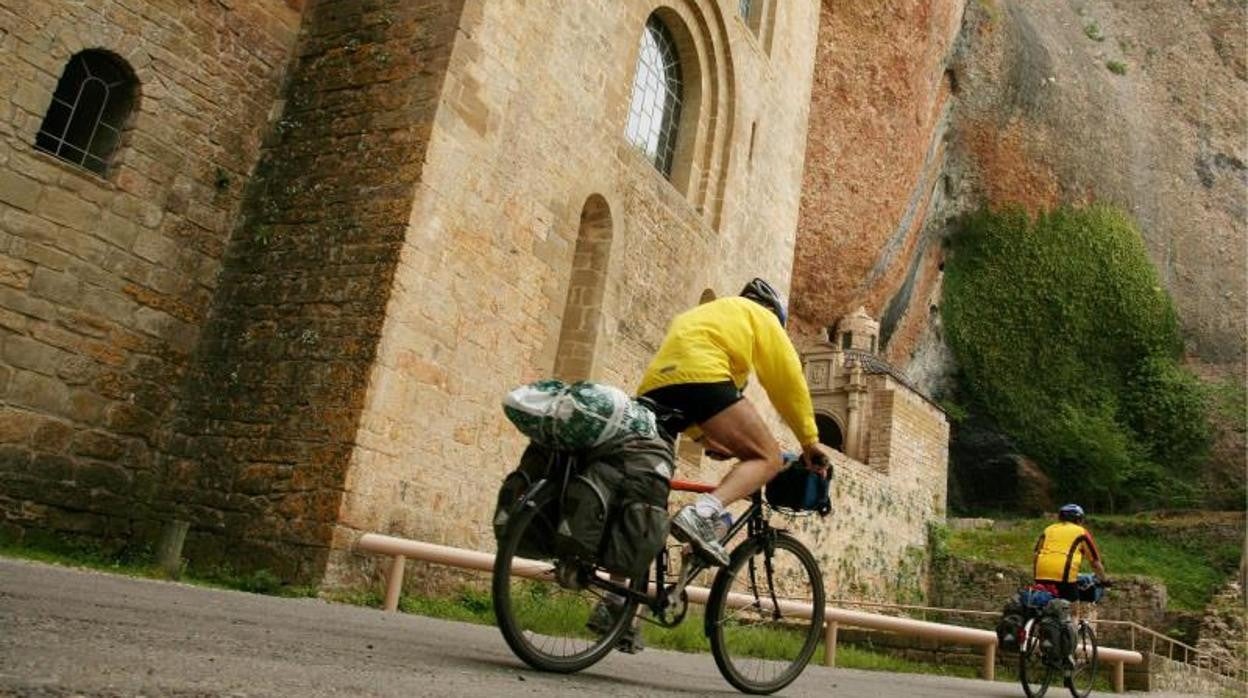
x=576 y=416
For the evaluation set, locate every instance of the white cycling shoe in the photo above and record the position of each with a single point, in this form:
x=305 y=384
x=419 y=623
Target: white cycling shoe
x=700 y=532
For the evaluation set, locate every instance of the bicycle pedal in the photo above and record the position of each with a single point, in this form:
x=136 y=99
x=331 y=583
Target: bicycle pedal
x=630 y=643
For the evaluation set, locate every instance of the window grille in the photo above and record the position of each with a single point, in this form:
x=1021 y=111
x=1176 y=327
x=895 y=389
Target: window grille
x=89 y=110
x=654 y=112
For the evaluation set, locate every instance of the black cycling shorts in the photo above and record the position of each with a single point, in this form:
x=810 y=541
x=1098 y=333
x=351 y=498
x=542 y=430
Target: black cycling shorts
x=698 y=402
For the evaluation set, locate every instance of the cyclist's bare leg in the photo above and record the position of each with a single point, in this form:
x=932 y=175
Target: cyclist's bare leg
x=741 y=430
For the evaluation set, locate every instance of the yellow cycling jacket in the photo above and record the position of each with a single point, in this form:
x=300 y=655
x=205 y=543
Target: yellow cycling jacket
x=725 y=339
x=1060 y=550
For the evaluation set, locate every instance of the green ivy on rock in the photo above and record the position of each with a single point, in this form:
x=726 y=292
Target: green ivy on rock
x=1065 y=337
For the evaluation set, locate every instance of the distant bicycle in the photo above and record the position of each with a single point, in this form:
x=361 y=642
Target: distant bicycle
x=1040 y=661
x=764 y=611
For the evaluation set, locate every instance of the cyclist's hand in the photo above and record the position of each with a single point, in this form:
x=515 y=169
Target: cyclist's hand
x=815 y=460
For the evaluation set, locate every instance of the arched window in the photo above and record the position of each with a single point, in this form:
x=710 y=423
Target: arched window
x=654 y=112
x=89 y=110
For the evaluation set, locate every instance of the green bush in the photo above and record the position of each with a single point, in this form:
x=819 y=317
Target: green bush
x=1064 y=336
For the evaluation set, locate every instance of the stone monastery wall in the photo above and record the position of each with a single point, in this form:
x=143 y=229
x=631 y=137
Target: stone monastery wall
x=106 y=279
x=286 y=307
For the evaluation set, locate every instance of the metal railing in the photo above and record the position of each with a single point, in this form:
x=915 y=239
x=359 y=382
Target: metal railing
x=1141 y=638
x=401 y=549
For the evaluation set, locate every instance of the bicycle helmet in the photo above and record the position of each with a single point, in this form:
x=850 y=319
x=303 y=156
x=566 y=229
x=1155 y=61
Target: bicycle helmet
x=762 y=293
x=1071 y=512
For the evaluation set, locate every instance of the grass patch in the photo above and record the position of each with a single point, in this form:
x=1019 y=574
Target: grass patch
x=1191 y=570
x=1092 y=30
x=474 y=606
x=854 y=657
x=1116 y=67
x=139 y=563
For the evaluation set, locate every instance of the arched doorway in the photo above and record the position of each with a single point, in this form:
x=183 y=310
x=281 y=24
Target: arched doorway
x=830 y=433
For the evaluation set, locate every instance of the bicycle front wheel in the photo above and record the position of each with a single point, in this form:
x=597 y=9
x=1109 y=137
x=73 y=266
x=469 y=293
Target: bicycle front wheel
x=548 y=611
x=1084 y=674
x=765 y=613
x=1034 y=672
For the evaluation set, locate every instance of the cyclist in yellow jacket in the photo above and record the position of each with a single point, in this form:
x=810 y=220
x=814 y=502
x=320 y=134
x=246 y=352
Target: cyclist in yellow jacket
x=702 y=367
x=1060 y=551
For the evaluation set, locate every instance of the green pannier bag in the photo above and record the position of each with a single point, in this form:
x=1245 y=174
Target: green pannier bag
x=638 y=527
x=587 y=505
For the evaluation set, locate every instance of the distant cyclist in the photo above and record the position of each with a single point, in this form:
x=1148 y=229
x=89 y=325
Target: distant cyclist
x=1059 y=553
x=701 y=369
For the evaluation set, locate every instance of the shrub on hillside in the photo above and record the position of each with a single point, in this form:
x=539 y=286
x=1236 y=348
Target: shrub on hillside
x=1065 y=337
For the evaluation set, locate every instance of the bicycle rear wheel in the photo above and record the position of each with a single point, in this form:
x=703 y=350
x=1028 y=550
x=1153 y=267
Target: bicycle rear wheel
x=1034 y=672
x=758 y=647
x=1084 y=674
x=546 y=622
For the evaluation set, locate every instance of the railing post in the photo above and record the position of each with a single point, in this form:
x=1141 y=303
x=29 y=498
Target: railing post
x=1120 y=678
x=394 y=584
x=990 y=661
x=829 y=643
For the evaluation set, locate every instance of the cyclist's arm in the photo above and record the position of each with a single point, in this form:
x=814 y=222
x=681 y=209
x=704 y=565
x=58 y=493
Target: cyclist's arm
x=779 y=370
x=1093 y=555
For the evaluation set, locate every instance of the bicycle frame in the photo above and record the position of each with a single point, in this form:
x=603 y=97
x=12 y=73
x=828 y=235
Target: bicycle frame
x=665 y=595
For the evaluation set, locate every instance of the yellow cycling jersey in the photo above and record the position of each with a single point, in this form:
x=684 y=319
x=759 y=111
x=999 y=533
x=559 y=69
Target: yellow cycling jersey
x=1060 y=551
x=726 y=339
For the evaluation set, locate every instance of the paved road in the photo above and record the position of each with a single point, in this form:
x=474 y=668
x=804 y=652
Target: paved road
x=67 y=632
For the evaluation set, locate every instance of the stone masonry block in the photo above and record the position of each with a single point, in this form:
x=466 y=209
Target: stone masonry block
x=18 y=191
x=15 y=272
x=68 y=209
x=29 y=354
x=16 y=425
x=39 y=392
x=55 y=286
x=51 y=436
x=30 y=227
x=156 y=248
x=97 y=444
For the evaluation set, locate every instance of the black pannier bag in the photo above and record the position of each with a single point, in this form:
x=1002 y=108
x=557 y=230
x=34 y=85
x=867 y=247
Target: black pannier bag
x=799 y=489
x=1010 y=627
x=638 y=526
x=1055 y=624
x=539 y=540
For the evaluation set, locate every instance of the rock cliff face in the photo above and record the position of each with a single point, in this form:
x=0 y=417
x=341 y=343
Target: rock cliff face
x=872 y=199
x=1138 y=104
x=926 y=108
